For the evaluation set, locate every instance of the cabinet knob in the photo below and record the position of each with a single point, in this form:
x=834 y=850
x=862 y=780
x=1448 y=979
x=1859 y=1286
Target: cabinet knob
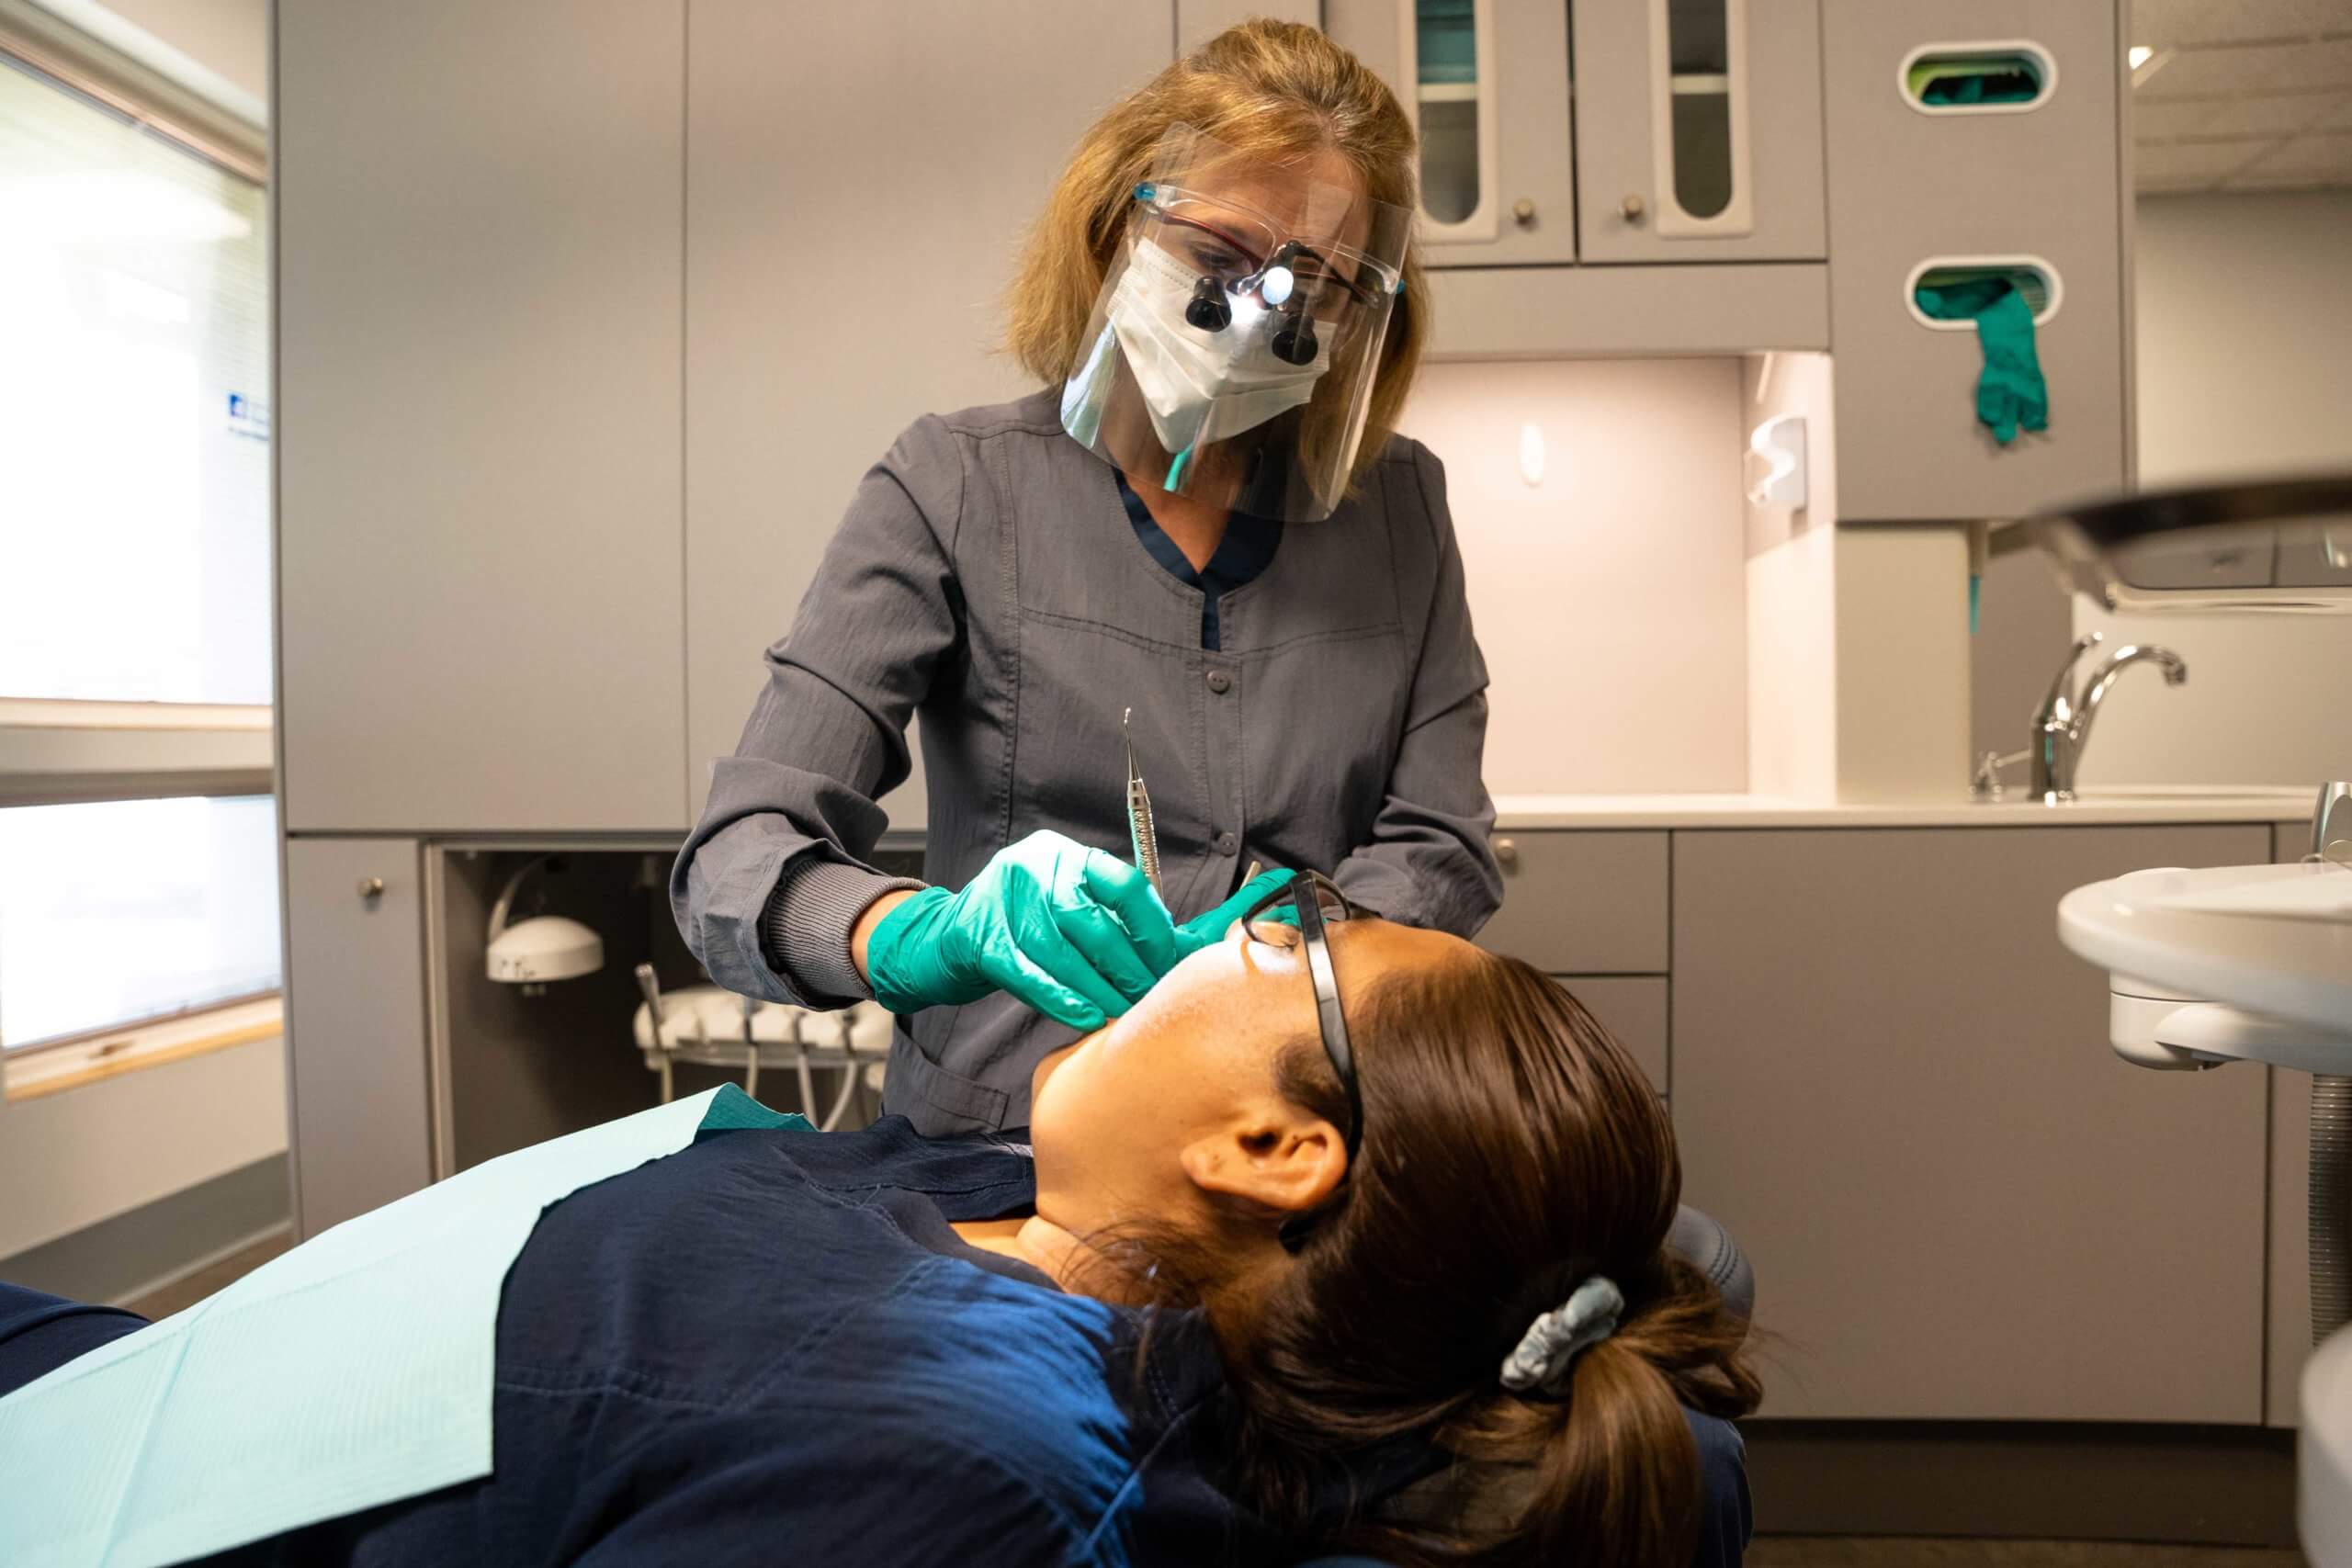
x=1506 y=852
x=1632 y=207
x=1524 y=210
x=371 y=888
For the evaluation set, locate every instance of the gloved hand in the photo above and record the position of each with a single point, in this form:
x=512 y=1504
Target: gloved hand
x=1072 y=932
x=1208 y=927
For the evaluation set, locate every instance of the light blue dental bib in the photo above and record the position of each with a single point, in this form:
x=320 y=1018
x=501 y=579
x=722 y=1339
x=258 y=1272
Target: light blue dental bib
x=354 y=1371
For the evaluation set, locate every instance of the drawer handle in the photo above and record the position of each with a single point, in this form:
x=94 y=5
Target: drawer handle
x=1632 y=209
x=1507 y=852
x=370 y=890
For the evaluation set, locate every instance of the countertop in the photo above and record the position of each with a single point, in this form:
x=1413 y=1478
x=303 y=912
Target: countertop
x=2104 y=807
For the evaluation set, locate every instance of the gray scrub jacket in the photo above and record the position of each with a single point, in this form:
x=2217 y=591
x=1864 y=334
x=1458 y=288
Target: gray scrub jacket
x=987 y=578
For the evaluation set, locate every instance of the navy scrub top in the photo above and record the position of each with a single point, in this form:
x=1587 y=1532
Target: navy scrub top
x=771 y=1348
x=1247 y=548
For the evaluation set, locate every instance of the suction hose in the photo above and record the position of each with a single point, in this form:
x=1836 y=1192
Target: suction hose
x=2331 y=1204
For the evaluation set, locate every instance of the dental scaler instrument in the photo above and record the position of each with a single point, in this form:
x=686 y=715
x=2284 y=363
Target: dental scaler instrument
x=1141 y=832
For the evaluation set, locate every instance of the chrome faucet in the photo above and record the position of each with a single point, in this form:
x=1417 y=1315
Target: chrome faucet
x=2062 y=726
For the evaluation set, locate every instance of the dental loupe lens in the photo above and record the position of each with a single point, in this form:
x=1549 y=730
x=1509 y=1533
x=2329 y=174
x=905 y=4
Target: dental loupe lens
x=1276 y=284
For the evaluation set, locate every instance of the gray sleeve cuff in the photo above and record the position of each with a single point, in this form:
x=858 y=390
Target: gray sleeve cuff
x=804 y=927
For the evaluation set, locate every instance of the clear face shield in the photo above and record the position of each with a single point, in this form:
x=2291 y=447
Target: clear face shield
x=1232 y=352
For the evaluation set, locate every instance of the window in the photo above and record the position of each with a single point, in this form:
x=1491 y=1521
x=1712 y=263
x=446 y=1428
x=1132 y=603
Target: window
x=134 y=416
x=128 y=910
x=138 y=862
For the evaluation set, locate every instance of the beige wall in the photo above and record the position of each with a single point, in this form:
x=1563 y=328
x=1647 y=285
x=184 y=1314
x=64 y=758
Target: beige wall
x=1610 y=598
x=72 y=1160
x=2244 y=317
x=1791 y=589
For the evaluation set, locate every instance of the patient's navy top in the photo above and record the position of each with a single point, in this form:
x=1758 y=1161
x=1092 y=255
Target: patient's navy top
x=771 y=1348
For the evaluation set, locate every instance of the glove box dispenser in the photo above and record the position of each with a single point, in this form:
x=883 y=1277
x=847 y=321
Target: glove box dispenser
x=1977 y=281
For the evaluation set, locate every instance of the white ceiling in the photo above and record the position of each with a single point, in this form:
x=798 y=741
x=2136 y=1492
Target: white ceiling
x=2242 y=95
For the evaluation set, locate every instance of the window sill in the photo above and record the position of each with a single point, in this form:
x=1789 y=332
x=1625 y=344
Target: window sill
x=39 y=1073
x=53 y=752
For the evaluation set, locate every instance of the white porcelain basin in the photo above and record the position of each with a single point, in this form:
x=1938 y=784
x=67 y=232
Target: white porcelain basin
x=2249 y=937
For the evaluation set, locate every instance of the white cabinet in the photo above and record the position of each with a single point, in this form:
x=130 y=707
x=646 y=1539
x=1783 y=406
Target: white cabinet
x=1695 y=134
x=478 y=330
x=1894 y=1085
x=1486 y=83
x=1698 y=129
x=846 y=248
x=359 y=1121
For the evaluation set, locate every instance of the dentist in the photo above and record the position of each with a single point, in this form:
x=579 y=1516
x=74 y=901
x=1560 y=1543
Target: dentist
x=1206 y=517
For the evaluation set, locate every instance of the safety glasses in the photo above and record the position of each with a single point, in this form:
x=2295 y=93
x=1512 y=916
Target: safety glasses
x=1311 y=891
x=1246 y=252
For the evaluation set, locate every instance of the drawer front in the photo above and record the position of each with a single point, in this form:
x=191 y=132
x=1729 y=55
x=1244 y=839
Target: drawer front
x=1582 y=903
x=1632 y=1008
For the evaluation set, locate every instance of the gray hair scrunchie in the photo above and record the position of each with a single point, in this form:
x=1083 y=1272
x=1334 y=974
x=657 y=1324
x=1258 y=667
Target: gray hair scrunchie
x=1545 y=1353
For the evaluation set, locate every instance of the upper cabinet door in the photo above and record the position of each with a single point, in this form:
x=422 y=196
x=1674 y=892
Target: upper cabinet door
x=478 y=452
x=856 y=194
x=1699 y=131
x=1486 y=83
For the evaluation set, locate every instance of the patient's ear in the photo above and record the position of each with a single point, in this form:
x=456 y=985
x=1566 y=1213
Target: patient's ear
x=1271 y=1154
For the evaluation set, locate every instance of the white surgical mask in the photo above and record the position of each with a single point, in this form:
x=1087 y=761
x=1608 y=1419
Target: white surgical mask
x=1185 y=372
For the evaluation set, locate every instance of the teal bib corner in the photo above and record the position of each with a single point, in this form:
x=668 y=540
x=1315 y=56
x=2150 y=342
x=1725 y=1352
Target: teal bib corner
x=165 y=1446
x=732 y=1111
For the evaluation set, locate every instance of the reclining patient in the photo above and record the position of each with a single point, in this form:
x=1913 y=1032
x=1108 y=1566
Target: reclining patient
x=780 y=1346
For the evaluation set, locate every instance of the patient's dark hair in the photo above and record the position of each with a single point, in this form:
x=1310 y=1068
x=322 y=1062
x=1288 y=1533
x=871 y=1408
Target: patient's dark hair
x=1511 y=1149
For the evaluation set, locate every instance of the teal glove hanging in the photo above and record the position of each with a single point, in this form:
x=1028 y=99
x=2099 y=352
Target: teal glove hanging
x=1208 y=927
x=2010 y=392
x=1072 y=932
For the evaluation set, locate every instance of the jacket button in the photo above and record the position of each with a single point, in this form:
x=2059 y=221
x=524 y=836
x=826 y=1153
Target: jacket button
x=1226 y=844
x=1220 y=682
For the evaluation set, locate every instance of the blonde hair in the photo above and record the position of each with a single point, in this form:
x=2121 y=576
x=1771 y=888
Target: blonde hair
x=1280 y=90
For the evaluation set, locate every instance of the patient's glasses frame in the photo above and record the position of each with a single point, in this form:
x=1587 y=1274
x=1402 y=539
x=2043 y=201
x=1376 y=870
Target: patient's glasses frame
x=1332 y=1022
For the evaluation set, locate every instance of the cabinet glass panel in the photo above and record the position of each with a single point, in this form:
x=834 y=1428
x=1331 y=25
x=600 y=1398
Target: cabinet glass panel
x=1699 y=78
x=1446 y=87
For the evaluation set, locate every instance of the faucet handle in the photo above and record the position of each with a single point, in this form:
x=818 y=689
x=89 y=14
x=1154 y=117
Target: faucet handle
x=1986 y=783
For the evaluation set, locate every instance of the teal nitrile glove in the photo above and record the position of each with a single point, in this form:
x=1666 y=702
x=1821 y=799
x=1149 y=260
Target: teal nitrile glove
x=1073 y=932
x=1208 y=927
x=2010 y=391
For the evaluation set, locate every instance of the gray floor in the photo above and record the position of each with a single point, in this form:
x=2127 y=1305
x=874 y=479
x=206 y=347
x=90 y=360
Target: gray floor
x=1769 y=1551
x=1860 y=1551
x=204 y=1282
